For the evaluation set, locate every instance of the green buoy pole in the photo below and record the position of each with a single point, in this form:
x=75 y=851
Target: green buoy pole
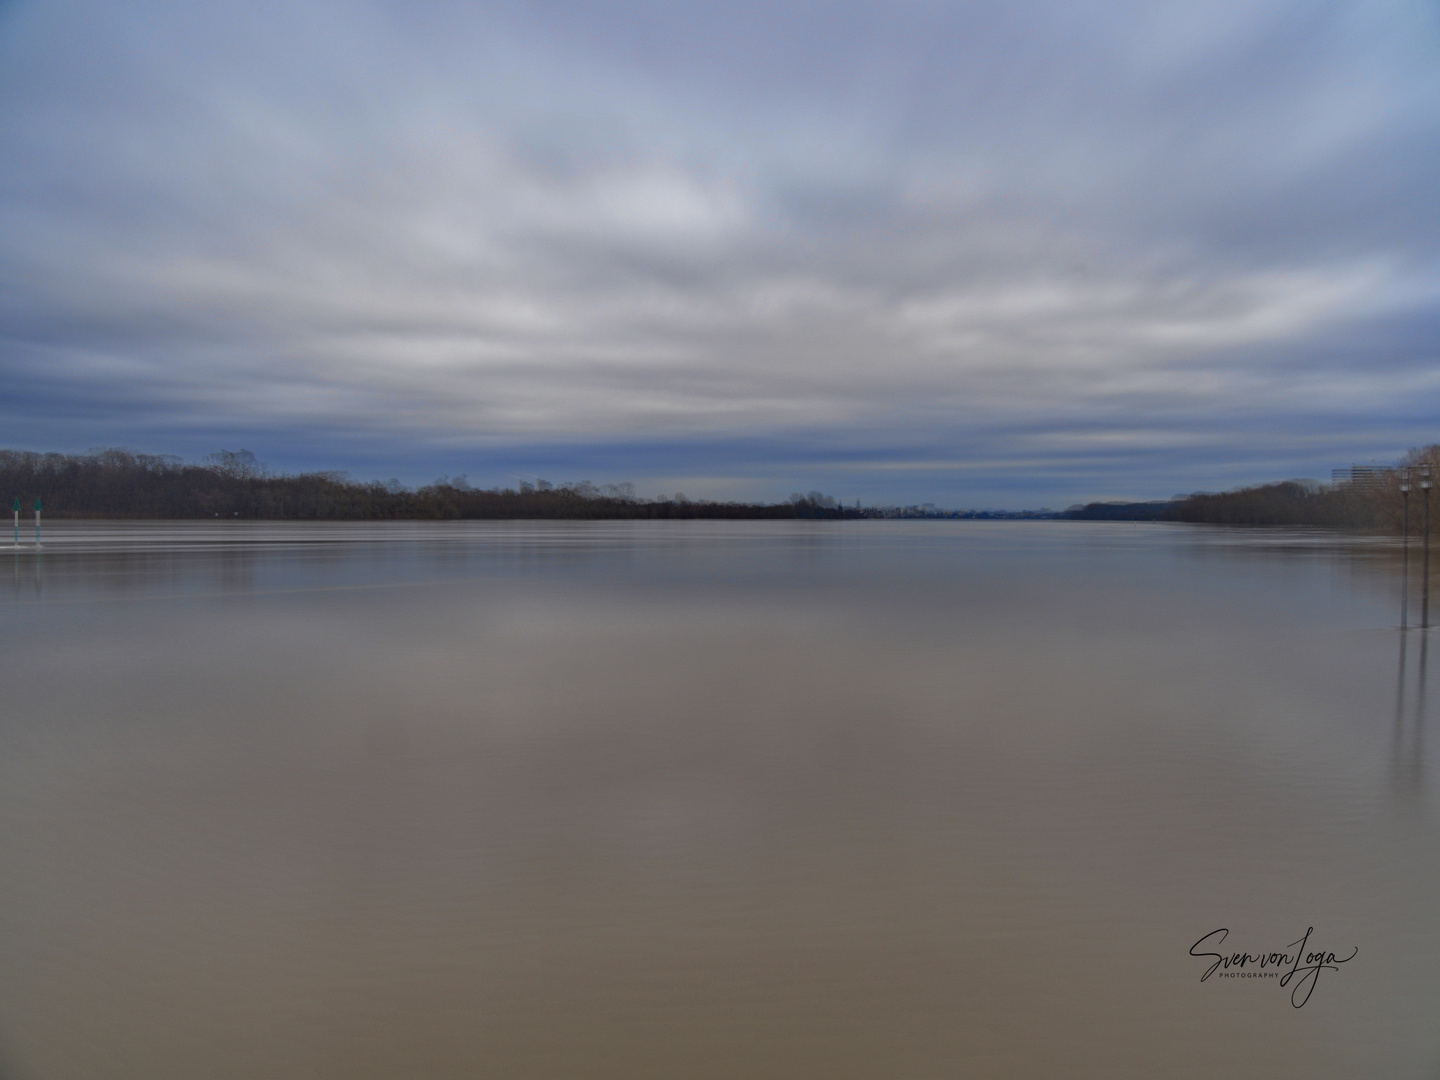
x=37 y=521
x=16 y=507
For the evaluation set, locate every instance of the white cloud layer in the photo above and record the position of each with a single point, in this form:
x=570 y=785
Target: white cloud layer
x=874 y=231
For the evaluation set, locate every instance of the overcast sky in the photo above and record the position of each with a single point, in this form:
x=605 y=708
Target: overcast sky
x=980 y=254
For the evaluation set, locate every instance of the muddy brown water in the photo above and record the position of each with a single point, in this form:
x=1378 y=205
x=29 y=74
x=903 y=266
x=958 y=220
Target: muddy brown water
x=712 y=800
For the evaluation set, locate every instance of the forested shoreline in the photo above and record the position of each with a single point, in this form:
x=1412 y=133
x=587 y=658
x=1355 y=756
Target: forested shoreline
x=117 y=483
x=1291 y=502
x=1294 y=503
x=1374 y=503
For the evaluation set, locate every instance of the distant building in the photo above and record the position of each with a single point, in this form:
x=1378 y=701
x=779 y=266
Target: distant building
x=1361 y=476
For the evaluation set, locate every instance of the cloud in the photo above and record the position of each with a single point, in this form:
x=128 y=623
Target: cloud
x=1141 y=235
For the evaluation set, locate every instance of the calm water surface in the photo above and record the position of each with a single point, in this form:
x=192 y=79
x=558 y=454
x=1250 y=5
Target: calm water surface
x=710 y=800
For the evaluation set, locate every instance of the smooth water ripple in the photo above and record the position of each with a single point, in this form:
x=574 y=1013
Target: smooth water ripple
x=710 y=800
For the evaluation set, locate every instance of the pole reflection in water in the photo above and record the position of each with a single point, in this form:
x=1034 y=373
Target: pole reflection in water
x=26 y=577
x=1418 y=730
x=1409 y=733
x=1400 y=704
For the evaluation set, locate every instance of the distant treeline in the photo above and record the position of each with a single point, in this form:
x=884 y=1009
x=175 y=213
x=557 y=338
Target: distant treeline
x=1289 y=502
x=232 y=484
x=1372 y=503
x=1119 y=511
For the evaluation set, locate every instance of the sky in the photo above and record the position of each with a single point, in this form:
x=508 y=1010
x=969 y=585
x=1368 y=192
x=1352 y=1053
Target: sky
x=1002 y=254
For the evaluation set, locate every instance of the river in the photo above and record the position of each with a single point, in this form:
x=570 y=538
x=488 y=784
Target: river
x=680 y=800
